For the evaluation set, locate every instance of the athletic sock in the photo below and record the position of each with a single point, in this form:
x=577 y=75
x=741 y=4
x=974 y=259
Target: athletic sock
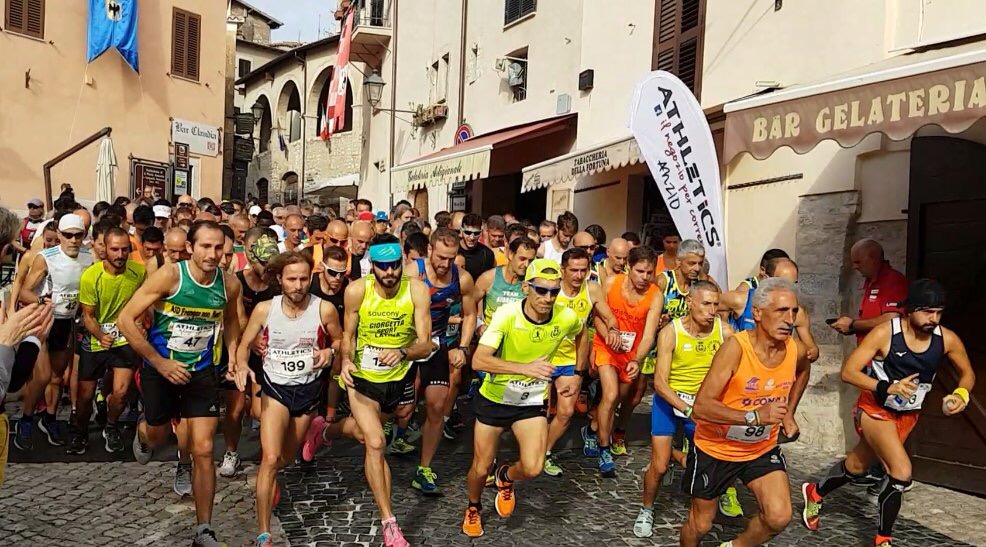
x=501 y=474
x=837 y=477
x=889 y=504
x=648 y=509
x=478 y=505
x=619 y=431
x=49 y=418
x=202 y=527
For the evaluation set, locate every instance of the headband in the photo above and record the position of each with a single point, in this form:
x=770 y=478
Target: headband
x=385 y=252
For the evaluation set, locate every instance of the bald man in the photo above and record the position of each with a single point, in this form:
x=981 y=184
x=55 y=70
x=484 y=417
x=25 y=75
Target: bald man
x=205 y=216
x=884 y=290
x=240 y=223
x=360 y=235
x=616 y=258
x=456 y=223
x=174 y=250
x=336 y=234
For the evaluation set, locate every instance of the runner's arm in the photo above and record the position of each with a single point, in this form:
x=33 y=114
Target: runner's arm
x=156 y=287
x=231 y=318
x=255 y=324
x=731 y=303
x=877 y=341
x=423 y=346
x=803 y=325
x=39 y=270
x=707 y=406
x=650 y=329
x=482 y=285
x=801 y=376
x=582 y=345
x=955 y=350
x=350 y=321
x=89 y=321
x=15 y=291
x=602 y=310
x=867 y=325
x=469 y=309
x=665 y=350
x=330 y=320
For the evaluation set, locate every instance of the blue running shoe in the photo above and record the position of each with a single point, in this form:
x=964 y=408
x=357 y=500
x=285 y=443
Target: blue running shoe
x=424 y=482
x=607 y=467
x=590 y=447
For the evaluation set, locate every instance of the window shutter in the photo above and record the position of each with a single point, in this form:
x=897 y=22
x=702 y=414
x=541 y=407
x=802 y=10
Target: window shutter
x=678 y=40
x=193 y=43
x=15 y=16
x=511 y=10
x=179 y=31
x=35 y=18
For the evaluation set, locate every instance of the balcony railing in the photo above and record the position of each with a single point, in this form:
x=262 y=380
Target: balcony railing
x=372 y=13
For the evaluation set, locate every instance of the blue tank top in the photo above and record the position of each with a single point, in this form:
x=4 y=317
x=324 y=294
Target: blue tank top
x=744 y=321
x=446 y=302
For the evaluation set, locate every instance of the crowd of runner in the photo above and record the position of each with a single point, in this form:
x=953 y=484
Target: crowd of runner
x=381 y=326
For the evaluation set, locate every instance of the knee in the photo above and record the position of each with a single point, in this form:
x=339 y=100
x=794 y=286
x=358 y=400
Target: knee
x=777 y=518
x=658 y=467
x=201 y=450
x=375 y=443
x=564 y=413
x=701 y=523
x=609 y=397
x=403 y=412
x=531 y=467
x=435 y=409
x=272 y=459
x=900 y=470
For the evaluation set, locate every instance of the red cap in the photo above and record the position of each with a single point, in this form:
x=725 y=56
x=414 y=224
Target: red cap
x=365 y=215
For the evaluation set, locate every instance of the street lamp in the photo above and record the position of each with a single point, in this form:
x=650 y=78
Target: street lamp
x=373 y=88
x=258 y=110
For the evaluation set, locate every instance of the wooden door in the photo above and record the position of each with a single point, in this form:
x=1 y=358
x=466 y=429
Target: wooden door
x=947 y=242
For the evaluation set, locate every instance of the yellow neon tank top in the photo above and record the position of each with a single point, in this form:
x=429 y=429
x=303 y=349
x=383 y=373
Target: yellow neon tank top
x=581 y=304
x=692 y=357
x=384 y=323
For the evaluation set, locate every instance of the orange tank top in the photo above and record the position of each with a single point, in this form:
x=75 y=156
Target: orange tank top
x=630 y=319
x=752 y=385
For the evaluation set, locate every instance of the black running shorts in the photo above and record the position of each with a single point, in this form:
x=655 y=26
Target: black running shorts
x=708 y=478
x=496 y=414
x=93 y=364
x=435 y=371
x=299 y=399
x=164 y=401
x=389 y=395
x=62 y=335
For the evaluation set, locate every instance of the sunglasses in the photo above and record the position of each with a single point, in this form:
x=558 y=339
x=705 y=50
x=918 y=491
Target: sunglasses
x=334 y=241
x=75 y=235
x=586 y=247
x=391 y=265
x=334 y=273
x=471 y=233
x=35 y=206
x=544 y=291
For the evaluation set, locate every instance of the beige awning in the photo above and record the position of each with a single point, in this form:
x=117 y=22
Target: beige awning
x=605 y=156
x=896 y=97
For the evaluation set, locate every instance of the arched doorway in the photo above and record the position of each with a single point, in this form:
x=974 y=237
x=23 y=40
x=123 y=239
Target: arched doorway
x=266 y=124
x=289 y=188
x=320 y=107
x=289 y=111
x=263 y=193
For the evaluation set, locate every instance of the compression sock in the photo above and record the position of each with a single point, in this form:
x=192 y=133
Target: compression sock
x=889 y=504
x=837 y=477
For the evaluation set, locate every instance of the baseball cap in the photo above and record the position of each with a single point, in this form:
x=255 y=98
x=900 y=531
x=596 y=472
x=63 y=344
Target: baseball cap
x=35 y=203
x=365 y=215
x=71 y=222
x=264 y=248
x=255 y=210
x=162 y=211
x=543 y=268
x=382 y=217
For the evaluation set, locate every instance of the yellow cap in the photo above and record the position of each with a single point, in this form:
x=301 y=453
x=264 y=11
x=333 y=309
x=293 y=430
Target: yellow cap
x=543 y=268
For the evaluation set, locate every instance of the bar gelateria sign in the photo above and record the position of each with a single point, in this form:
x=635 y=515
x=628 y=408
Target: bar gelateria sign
x=953 y=98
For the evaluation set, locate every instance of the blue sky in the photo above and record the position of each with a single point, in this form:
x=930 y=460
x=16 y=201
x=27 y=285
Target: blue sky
x=300 y=17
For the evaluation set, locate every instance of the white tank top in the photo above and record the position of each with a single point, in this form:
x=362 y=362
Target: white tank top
x=64 y=274
x=551 y=253
x=292 y=343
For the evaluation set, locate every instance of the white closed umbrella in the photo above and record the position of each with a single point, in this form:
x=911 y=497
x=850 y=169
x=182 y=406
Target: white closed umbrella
x=106 y=171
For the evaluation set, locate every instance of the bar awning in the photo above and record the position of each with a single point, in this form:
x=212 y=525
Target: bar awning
x=612 y=154
x=471 y=159
x=896 y=96
x=319 y=185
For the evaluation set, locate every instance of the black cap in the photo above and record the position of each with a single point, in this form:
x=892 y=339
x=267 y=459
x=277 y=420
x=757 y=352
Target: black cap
x=924 y=294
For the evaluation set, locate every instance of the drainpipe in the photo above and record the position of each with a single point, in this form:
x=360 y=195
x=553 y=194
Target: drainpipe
x=464 y=25
x=304 y=126
x=393 y=99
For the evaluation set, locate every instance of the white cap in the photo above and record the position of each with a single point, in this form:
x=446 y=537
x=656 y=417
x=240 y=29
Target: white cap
x=71 y=222
x=255 y=210
x=162 y=211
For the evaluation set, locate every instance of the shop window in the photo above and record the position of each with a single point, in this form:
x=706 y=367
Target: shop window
x=680 y=33
x=516 y=9
x=25 y=17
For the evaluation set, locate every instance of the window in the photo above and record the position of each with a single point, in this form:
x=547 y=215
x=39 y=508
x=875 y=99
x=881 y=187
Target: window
x=678 y=44
x=516 y=74
x=438 y=78
x=244 y=67
x=186 y=31
x=515 y=9
x=26 y=17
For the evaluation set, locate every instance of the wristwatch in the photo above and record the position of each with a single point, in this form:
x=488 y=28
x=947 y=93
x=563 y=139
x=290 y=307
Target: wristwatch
x=750 y=418
x=403 y=352
x=465 y=349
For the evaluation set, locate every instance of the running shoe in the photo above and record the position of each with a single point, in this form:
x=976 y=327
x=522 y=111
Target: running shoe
x=314 y=440
x=619 y=447
x=99 y=409
x=643 y=527
x=183 y=479
x=685 y=446
x=392 y=535
x=206 y=538
x=142 y=452
x=813 y=506
x=729 y=504
x=590 y=447
x=505 y=500
x=401 y=447
x=264 y=540
x=230 y=465
x=52 y=430
x=455 y=420
x=24 y=433
x=582 y=403
x=114 y=441
x=78 y=445
x=607 y=467
x=413 y=432
x=448 y=431
x=551 y=468
x=668 y=477
x=424 y=482
x=884 y=541
x=472 y=525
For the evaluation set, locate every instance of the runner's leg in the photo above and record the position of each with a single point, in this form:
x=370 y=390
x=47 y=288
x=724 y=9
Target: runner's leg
x=117 y=401
x=367 y=414
x=773 y=493
x=436 y=404
x=486 y=440
x=659 y=458
x=201 y=431
x=233 y=422
x=567 y=388
x=609 y=377
x=273 y=427
x=884 y=438
x=699 y=521
x=532 y=437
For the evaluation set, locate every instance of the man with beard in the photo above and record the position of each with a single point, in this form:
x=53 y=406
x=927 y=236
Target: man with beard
x=478 y=257
x=179 y=378
x=299 y=329
x=104 y=290
x=894 y=368
x=387 y=325
x=552 y=249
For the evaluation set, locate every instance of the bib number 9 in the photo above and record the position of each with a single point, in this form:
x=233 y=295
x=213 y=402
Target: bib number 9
x=524 y=392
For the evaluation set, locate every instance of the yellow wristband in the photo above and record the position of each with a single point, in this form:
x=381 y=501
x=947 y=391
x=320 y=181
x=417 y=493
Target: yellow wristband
x=962 y=393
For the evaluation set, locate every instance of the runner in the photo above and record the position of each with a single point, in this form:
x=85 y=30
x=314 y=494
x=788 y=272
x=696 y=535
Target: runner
x=636 y=304
x=478 y=257
x=295 y=327
x=503 y=284
x=515 y=351
x=49 y=235
x=546 y=230
x=894 y=368
x=441 y=373
x=616 y=259
x=684 y=354
x=754 y=385
x=552 y=249
x=387 y=325
x=179 y=378
x=585 y=299
x=54 y=277
x=668 y=259
x=753 y=281
x=360 y=235
x=104 y=290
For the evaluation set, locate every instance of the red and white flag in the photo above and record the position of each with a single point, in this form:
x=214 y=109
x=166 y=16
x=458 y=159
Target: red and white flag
x=334 y=117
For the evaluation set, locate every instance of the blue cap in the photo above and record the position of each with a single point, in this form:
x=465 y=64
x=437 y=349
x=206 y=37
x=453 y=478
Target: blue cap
x=382 y=215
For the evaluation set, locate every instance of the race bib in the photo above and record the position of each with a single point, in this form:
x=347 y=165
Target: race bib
x=292 y=363
x=452 y=331
x=65 y=303
x=370 y=360
x=111 y=329
x=627 y=338
x=749 y=433
x=914 y=403
x=524 y=392
x=689 y=399
x=189 y=338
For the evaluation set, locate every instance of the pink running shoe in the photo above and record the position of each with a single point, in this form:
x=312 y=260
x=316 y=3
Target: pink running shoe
x=313 y=439
x=392 y=535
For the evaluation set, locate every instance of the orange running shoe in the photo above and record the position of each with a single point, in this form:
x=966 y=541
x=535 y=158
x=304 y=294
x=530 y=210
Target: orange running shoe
x=472 y=525
x=505 y=500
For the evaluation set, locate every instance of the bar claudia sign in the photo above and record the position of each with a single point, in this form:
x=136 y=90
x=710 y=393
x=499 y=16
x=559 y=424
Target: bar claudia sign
x=675 y=140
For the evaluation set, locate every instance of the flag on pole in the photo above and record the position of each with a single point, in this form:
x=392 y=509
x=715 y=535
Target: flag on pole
x=113 y=23
x=335 y=104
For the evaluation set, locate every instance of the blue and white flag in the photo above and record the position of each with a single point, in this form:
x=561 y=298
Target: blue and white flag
x=113 y=23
